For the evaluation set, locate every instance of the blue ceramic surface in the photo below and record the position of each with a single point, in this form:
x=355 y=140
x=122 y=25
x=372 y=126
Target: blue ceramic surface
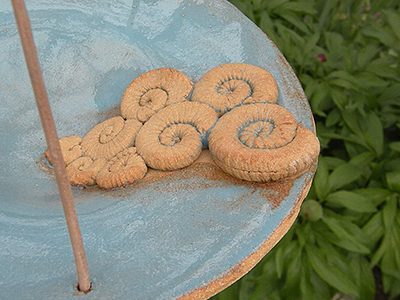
x=159 y=239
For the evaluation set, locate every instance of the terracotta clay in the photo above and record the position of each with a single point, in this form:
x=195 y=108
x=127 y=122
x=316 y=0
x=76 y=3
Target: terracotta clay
x=229 y=85
x=262 y=142
x=172 y=138
x=152 y=91
x=82 y=171
x=110 y=137
x=70 y=148
x=123 y=169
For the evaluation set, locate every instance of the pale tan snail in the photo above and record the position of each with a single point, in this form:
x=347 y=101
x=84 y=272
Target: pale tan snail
x=110 y=137
x=227 y=86
x=173 y=138
x=82 y=171
x=123 y=169
x=262 y=142
x=152 y=91
x=70 y=147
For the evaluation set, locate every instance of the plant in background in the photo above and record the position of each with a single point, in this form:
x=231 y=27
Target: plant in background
x=346 y=240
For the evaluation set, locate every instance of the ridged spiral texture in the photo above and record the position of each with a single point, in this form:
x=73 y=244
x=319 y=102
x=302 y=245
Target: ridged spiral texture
x=172 y=138
x=262 y=142
x=110 y=137
x=230 y=85
x=152 y=91
x=83 y=171
x=123 y=169
x=70 y=147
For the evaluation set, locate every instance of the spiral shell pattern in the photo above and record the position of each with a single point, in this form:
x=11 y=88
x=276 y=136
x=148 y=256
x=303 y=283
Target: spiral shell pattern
x=230 y=85
x=123 y=169
x=262 y=142
x=152 y=91
x=108 y=138
x=83 y=171
x=172 y=138
x=70 y=147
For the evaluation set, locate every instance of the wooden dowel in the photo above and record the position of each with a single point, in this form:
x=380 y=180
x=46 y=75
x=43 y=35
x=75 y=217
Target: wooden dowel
x=53 y=144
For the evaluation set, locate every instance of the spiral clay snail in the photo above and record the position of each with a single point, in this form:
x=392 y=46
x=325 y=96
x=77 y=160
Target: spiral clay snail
x=262 y=142
x=227 y=86
x=152 y=91
x=172 y=138
x=123 y=169
x=83 y=171
x=70 y=148
x=110 y=137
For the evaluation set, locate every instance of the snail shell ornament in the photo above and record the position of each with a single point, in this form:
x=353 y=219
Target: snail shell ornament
x=108 y=138
x=173 y=138
x=230 y=85
x=123 y=169
x=152 y=91
x=83 y=171
x=70 y=148
x=262 y=142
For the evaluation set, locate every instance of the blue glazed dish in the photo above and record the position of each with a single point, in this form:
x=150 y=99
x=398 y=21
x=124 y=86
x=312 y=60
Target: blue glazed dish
x=181 y=235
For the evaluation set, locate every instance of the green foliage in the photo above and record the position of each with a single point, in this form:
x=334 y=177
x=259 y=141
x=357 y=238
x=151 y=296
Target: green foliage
x=346 y=55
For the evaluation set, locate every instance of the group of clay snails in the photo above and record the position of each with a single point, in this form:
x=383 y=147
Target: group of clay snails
x=166 y=120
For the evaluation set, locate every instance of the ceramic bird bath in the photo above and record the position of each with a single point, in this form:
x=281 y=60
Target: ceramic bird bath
x=177 y=235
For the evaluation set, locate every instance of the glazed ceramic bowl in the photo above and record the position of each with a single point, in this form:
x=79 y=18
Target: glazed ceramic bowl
x=185 y=235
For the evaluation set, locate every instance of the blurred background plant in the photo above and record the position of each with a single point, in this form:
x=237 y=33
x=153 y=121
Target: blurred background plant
x=346 y=242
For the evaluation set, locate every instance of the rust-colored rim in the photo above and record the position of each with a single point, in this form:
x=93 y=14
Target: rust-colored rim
x=242 y=268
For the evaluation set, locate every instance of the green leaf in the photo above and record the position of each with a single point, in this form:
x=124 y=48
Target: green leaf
x=339 y=98
x=342 y=176
x=394 y=21
x=333 y=117
x=366 y=54
x=364 y=277
x=395 y=146
x=311 y=42
x=393 y=181
x=374 y=229
x=348 y=232
x=273 y=4
x=389 y=212
x=374 y=133
x=334 y=42
x=292 y=18
x=371 y=80
x=375 y=195
x=304 y=7
x=318 y=99
x=293 y=266
x=380 y=34
x=325 y=15
x=362 y=160
x=321 y=179
x=383 y=68
x=328 y=271
x=352 y=121
x=351 y=201
x=280 y=262
x=343 y=75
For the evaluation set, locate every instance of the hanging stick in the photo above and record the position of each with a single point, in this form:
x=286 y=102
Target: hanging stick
x=53 y=144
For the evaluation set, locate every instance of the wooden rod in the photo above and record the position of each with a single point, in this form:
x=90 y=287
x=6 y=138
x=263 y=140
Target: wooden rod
x=53 y=144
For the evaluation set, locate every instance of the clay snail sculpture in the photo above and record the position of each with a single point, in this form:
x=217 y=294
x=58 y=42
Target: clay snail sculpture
x=262 y=142
x=227 y=86
x=152 y=91
x=173 y=138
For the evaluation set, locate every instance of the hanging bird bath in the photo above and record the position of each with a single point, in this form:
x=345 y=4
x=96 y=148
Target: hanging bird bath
x=174 y=235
